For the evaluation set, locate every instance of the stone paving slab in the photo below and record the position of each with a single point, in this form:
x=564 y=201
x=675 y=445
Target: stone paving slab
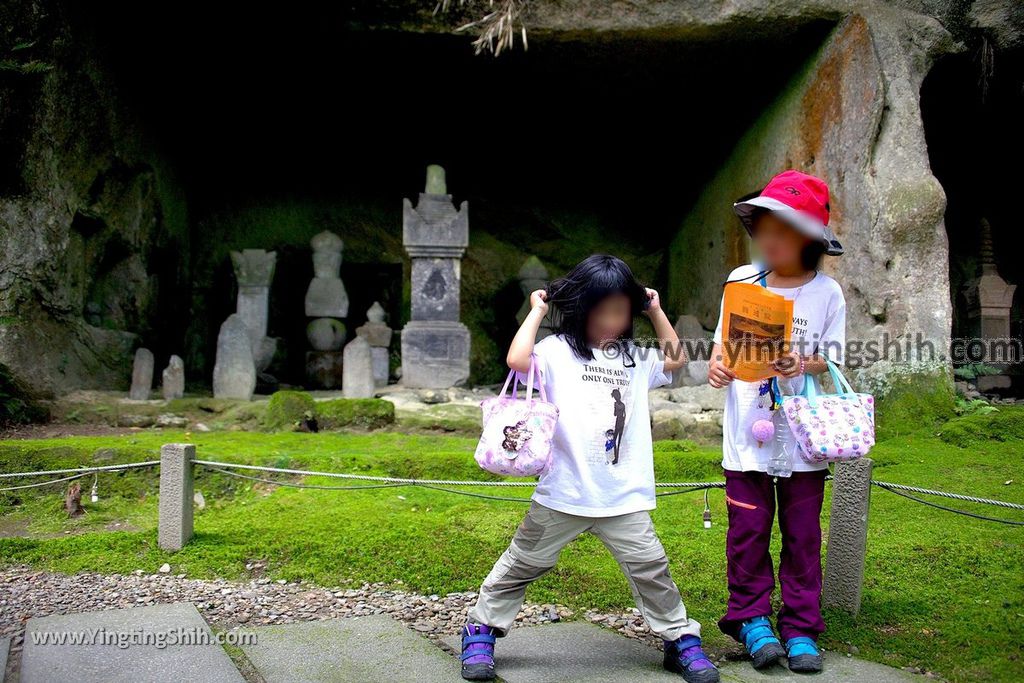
x=138 y=663
x=573 y=652
x=371 y=649
x=838 y=669
x=5 y=646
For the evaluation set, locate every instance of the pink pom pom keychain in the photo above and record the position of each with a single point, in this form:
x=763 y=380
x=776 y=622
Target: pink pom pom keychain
x=763 y=430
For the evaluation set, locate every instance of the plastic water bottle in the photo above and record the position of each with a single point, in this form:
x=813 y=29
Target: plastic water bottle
x=781 y=462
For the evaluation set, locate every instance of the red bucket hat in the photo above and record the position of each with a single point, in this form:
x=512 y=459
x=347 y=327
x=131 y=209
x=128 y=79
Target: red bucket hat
x=799 y=199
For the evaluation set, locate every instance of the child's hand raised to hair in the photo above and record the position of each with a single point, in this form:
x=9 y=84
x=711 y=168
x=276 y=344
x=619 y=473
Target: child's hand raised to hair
x=653 y=301
x=538 y=300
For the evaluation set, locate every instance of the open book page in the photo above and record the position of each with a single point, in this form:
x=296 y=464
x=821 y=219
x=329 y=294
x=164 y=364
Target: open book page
x=756 y=325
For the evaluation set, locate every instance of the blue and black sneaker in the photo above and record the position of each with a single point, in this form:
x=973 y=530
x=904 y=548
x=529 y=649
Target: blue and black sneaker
x=804 y=655
x=684 y=656
x=762 y=645
x=477 y=652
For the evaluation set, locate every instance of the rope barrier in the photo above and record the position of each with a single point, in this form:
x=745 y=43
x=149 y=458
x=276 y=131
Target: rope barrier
x=43 y=483
x=903 y=490
x=412 y=481
x=890 y=489
x=425 y=483
x=943 y=494
x=82 y=470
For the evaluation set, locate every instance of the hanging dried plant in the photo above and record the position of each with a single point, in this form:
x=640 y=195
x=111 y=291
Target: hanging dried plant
x=496 y=30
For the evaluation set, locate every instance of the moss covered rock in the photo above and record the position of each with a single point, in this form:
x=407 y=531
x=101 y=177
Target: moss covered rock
x=287 y=408
x=444 y=417
x=913 y=402
x=366 y=413
x=1004 y=424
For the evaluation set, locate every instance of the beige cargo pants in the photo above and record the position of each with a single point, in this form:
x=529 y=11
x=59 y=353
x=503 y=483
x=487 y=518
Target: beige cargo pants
x=535 y=549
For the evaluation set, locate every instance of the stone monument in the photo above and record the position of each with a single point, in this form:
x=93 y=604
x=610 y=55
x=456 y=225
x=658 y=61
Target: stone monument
x=378 y=335
x=327 y=303
x=254 y=269
x=142 y=375
x=533 y=275
x=357 y=379
x=435 y=345
x=691 y=334
x=173 y=385
x=234 y=372
x=989 y=300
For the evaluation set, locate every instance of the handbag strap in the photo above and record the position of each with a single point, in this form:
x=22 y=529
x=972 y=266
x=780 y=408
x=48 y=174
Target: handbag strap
x=529 y=381
x=842 y=385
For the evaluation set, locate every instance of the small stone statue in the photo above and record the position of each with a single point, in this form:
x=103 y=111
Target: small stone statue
x=532 y=276
x=174 y=379
x=378 y=334
x=142 y=375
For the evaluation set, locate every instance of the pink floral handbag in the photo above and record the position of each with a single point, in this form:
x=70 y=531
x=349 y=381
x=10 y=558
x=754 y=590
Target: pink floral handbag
x=831 y=427
x=516 y=438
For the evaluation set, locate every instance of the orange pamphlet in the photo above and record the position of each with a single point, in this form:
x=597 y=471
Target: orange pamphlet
x=756 y=326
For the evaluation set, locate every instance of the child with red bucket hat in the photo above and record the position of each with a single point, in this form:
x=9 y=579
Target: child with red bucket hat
x=788 y=222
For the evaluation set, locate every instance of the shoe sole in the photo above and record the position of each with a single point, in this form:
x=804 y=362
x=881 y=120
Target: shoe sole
x=805 y=664
x=700 y=676
x=478 y=672
x=768 y=655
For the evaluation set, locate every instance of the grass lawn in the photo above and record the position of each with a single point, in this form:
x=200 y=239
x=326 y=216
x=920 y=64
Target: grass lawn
x=943 y=591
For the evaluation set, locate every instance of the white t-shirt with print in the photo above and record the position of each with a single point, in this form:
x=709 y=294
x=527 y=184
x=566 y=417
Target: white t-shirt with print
x=602 y=455
x=819 y=321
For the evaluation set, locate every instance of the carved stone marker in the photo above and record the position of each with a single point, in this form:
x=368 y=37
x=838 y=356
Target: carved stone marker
x=847 y=536
x=173 y=385
x=357 y=373
x=234 y=372
x=989 y=302
x=174 y=528
x=326 y=302
x=142 y=375
x=435 y=345
x=691 y=333
x=378 y=334
x=326 y=295
x=533 y=275
x=254 y=270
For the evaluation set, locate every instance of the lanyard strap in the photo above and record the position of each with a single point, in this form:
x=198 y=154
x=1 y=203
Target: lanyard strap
x=773 y=386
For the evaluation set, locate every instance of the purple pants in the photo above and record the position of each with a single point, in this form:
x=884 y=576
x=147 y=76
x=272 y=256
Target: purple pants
x=751 y=500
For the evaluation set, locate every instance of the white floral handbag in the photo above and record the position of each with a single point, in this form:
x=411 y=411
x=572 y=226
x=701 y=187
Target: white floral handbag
x=831 y=427
x=516 y=438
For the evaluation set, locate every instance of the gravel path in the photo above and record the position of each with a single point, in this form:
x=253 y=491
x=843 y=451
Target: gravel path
x=27 y=592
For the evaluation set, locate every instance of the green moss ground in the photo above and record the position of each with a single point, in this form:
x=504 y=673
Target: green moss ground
x=943 y=592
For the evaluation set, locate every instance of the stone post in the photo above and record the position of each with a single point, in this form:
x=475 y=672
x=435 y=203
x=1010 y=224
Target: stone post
x=175 y=525
x=435 y=345
x=847 y=536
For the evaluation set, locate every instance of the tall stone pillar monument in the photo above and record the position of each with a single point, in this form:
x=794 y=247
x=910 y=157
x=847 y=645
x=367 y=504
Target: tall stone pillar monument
x=435 y=345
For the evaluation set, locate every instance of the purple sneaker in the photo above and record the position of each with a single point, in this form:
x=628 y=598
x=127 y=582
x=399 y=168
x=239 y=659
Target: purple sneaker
x=477 y=652
x=685 y=656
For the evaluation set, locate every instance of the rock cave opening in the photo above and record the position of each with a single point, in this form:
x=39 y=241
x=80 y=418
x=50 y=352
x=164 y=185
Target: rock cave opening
x=279 y=125
x=972 y=104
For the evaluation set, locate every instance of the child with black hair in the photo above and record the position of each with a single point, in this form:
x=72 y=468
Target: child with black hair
x=601 y=478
